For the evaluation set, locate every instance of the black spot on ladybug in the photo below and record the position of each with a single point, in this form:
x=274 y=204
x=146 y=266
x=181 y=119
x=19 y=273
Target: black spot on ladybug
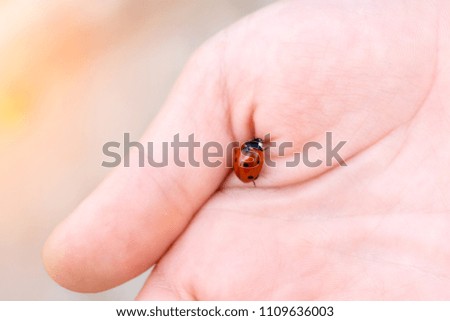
x=250 y=177
x=245 y=165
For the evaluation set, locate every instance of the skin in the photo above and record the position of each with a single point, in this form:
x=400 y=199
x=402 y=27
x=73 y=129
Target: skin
x=374 y=73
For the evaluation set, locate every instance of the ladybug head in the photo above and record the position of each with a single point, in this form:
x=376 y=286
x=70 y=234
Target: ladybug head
x=256 y=143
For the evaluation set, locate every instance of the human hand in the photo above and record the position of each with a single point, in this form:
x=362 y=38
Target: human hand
x=375 y=74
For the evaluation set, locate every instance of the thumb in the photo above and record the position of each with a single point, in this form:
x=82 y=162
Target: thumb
x=132 y=218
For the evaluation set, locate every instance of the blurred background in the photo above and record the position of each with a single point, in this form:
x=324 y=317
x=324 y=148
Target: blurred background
x=74 y=75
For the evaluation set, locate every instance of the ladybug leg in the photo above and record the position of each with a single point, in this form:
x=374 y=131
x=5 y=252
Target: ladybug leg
x=253 y=181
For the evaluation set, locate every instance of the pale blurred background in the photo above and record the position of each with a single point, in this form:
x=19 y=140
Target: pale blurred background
x=74 y=75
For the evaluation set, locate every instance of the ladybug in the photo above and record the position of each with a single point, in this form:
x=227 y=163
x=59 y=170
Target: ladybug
x=249 y=160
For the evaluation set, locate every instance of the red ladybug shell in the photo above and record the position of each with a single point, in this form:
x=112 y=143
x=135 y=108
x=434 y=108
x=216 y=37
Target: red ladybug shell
x=249 y=160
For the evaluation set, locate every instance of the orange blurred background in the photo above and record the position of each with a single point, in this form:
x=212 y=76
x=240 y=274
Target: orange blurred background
x=74 y=75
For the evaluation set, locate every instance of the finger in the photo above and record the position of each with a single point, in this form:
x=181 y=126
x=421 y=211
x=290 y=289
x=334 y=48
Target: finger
x=131 y=219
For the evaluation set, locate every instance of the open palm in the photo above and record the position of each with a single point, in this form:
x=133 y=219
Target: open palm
x=374 y=74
